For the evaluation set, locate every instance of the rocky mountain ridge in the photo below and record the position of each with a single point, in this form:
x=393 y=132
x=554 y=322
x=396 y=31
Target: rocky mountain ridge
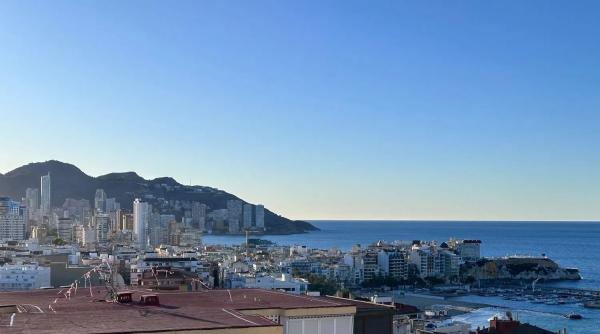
x=68 y=181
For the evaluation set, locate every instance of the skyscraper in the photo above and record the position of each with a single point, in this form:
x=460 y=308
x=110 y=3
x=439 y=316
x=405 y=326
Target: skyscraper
x=199 y=215
x=111 y=205
x=140 y=222
x=46 y=199
x=260 y=217
x=100 y=200
x=247 y=216
x=101 y=224
x=32 y=195
x=234 y=215
x=32 y=202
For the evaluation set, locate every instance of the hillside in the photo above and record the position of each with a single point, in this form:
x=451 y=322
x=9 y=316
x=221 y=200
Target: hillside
x=68 y=181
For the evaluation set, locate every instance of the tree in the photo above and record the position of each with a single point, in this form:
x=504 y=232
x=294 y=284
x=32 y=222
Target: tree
x=59 y=242
x=470 y=279
x=325 y=286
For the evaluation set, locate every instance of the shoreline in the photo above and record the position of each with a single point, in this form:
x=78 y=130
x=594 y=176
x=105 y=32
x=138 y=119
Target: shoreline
x=427 y=302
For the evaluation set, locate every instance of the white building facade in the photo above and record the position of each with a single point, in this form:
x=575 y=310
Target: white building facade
x=13 y=220
x=140 y=222
x=45 y=195
x=283 y=283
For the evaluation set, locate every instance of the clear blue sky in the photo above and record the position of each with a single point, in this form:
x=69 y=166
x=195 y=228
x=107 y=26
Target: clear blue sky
x=318 y=109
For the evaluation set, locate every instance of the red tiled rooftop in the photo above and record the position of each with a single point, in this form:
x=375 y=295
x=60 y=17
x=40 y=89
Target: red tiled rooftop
x=47 y=311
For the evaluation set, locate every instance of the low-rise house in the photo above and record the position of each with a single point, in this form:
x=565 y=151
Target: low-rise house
x=511 y=326
x=285 y=282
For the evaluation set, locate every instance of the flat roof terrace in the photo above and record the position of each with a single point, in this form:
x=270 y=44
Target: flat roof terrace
x=49 y=311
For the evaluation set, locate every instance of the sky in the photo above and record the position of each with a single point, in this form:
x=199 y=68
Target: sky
x=478 y=110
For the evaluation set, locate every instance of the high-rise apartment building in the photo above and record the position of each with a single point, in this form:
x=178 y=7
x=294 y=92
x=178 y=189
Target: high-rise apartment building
x=126 y=223
x=260 y=216
x=247 y=216
x=12 y=220
x=78 y=231
x=101 y=224
x=199 y=215
x=158 y=228
x=32 y=202
x=111 y=205
x=46 y=195
x=32 y=199
x=140 y=222
x=393 y=263
x=65 y=229
x=234 y=215
x=100 y=200
x=78 y=210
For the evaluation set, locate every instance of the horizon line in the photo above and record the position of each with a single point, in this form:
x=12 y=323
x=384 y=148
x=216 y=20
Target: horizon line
x=458 y=220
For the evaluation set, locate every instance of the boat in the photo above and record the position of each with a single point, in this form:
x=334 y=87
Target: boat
x=573 y=316
x=592 y=304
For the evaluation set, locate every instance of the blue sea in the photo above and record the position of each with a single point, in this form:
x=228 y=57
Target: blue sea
x=571 y=244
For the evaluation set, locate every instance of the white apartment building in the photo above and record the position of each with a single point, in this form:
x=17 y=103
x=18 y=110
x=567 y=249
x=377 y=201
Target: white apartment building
x=424 y=261
x=393 y=263
x=298 y=250
x=469 y=250
x=101 y=224
x=140 y=222
x=354 y=261
x=446 y=263
x=283 y=283
x=45 y=195
x=13 y=220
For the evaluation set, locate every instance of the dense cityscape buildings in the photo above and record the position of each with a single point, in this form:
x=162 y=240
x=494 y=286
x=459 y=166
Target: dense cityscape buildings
x=148 y=248
x=78 y=221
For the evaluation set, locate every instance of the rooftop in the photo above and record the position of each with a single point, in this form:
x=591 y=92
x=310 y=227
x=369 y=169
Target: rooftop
x=49 y=311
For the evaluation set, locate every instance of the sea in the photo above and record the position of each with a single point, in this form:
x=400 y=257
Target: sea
x=571 y=244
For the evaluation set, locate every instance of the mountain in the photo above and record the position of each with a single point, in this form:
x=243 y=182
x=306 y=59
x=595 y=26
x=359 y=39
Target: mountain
x=68 y=181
